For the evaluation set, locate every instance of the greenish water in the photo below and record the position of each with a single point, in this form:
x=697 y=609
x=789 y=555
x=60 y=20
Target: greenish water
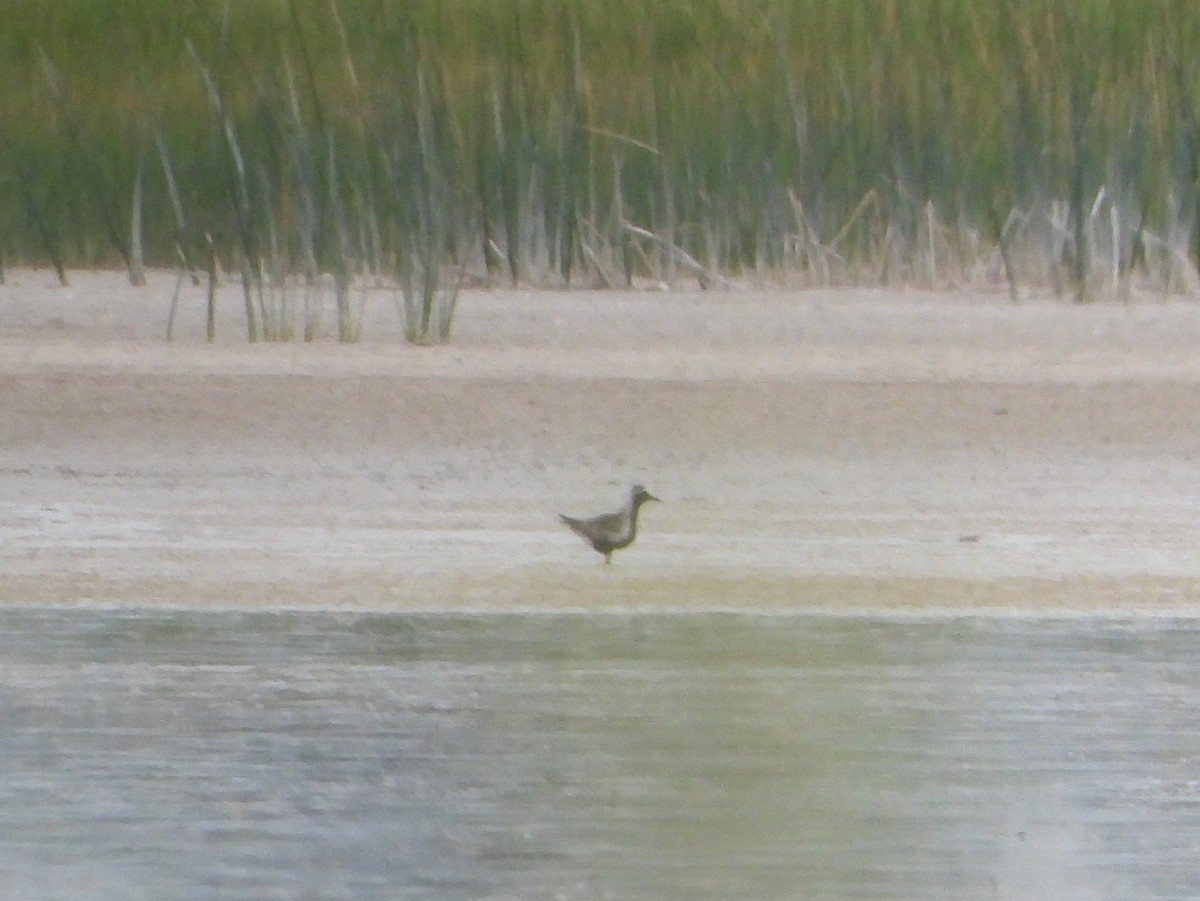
x=233 y=755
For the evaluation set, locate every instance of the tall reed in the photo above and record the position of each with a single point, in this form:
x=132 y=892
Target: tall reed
x=435 y=143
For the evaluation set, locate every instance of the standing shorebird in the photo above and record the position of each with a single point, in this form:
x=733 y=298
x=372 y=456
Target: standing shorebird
x=612 y=531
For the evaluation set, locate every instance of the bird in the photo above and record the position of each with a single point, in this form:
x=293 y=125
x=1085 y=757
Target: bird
x=610 y=532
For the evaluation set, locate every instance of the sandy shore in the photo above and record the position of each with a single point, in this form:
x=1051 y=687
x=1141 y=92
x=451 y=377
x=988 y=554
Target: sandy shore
x=817 y=450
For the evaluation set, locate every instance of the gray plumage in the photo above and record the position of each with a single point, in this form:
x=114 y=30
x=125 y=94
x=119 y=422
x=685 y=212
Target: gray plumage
x=611 y=531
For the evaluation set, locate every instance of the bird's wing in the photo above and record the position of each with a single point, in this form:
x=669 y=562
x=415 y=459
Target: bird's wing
x=608 y=523
x=604 y=525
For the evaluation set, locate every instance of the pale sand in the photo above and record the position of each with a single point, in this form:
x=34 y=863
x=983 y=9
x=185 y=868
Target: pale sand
x=833 y=450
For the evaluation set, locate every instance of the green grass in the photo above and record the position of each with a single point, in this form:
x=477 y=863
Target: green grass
x=802 y=142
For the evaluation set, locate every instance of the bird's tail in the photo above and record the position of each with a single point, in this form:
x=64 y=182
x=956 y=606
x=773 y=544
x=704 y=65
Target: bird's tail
x=571 y=522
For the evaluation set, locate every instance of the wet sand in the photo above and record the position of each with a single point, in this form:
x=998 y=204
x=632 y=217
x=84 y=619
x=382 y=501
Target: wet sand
x=826 y=450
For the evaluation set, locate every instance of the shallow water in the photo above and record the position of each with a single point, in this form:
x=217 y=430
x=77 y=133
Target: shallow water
x=237 y=755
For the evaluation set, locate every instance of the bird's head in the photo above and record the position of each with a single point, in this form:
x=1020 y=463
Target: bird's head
x=641 y=495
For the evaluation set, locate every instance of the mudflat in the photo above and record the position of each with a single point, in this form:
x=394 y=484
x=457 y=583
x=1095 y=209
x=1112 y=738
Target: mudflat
x=815 y=450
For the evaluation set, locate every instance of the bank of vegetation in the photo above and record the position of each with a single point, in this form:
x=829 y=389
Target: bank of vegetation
x=1029 y=144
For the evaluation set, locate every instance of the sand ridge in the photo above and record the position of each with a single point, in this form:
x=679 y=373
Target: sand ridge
x=816 y=450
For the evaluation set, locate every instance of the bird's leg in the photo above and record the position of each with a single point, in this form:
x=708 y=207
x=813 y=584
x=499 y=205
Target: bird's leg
x=608 y=557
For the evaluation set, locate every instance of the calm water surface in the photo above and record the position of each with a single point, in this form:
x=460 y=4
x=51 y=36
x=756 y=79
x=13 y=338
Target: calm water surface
x=232 y=755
